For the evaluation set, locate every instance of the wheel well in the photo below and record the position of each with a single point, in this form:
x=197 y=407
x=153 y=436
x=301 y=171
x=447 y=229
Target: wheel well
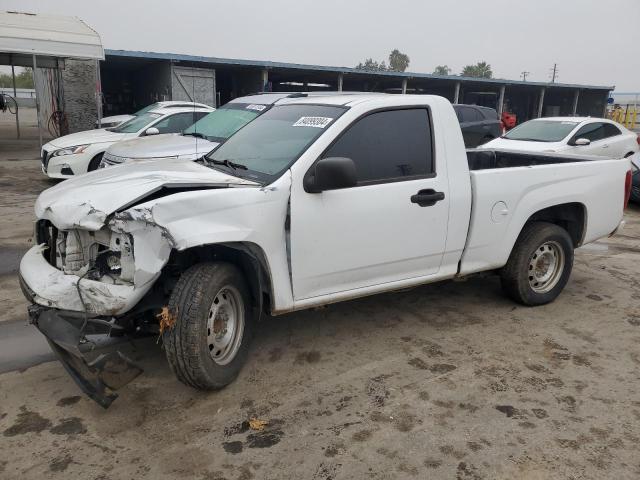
x=570 y=216
x=248 y=257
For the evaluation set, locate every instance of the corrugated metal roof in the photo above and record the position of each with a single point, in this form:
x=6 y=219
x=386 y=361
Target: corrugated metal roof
x=345 y=70
x=48 y=35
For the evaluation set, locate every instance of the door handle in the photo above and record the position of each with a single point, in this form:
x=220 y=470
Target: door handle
x=605 y=146
x=427 y=198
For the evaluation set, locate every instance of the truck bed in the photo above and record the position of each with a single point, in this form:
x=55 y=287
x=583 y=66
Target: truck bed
x=489 y=159
x=508 y=187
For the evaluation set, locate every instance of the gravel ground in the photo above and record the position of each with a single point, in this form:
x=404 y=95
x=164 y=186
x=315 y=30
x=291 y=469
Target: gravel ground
x=450 y=381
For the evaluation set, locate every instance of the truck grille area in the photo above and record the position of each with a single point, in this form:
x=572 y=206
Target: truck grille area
x=98 y=254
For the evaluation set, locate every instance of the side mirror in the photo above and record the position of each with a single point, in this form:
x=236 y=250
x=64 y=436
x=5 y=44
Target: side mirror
x=330 y=174
x=582 y=142
x=151 y=131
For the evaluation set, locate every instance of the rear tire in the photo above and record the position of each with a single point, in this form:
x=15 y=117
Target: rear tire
x=95 y=162
x=209 y=342
x=539 y=265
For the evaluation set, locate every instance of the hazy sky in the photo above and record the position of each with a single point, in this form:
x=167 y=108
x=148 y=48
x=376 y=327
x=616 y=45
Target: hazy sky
x=592 y=41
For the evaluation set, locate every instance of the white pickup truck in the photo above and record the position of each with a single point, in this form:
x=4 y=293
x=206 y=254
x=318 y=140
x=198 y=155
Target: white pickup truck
x=316 y=201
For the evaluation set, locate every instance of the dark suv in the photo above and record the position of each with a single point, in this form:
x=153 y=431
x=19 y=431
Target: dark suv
x=478 y=124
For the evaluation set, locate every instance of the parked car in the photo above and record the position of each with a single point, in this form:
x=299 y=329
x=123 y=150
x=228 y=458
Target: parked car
x=115 y=120
x=82 y=152
x=316 y=201
x=635 y=180
x=570 y=135
x=201 y=137
x=479 y=124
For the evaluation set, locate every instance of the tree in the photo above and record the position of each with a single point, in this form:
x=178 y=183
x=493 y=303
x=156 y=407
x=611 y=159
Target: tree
x=398 y=61
x=442 y=70
x=479 y=70
x=371 y=65
x=23 y=79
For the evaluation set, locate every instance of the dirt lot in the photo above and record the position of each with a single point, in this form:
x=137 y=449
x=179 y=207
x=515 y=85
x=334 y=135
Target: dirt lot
x=448 y=381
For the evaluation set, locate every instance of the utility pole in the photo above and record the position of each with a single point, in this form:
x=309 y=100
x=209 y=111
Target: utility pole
x=554 y=72
x=524 y=76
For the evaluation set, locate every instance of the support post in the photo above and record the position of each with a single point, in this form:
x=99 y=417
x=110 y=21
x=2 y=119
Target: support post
x=501 y=101
x=37 y=100
x=456 y=94
x=606 y=101
x=15 y=95
x=404 y=86
x=99 y=93
x=340 y=81
x=541 y=102
x=576 y=97
x=265 y=79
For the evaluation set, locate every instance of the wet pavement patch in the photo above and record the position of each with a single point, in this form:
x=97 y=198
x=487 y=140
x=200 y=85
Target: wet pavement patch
x=66 y=401
x=60 y=464
x=10 y=259
x=232 y=447
x=27 y=422
x=69 y=426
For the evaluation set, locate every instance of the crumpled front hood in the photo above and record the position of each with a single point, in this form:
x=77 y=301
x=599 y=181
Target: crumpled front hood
x=98 y=135
x=169 y=145
x=87 y=200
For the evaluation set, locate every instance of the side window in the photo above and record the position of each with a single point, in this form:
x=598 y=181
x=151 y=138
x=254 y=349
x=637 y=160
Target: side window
x=388 y=145
x=592 y=131
x=177 y=122
x=610 y=130
x=458 y=111
x=471 y=115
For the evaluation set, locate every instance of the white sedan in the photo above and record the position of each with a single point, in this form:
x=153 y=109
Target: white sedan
x=81 y=152
x=115 y=120
x=570 y=135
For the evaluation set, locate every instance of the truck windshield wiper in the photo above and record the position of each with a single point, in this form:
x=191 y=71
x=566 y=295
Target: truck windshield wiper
x=194 y=134
x=228 y=163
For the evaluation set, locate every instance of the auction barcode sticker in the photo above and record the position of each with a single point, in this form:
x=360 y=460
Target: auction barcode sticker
x=254 y=106
x=317 y=122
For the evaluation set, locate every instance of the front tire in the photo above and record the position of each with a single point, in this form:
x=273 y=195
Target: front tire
x=209 y=341
x=94 y=163
x=539 y=265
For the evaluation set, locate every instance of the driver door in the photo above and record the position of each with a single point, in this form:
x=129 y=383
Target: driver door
x=373 y=233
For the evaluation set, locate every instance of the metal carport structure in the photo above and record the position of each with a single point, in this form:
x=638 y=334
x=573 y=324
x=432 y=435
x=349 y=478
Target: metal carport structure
x=45 y=41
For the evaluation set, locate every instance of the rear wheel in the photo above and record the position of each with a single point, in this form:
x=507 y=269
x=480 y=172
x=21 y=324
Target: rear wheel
x=539 y=265
x=95 y=162
x=209 y=341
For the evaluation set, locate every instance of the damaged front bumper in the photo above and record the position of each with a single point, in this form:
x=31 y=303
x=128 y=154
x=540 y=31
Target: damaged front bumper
x=66 y=333
x=51 y=287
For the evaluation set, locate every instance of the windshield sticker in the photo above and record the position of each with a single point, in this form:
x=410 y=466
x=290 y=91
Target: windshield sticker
x=317 y=122
x=256 y=107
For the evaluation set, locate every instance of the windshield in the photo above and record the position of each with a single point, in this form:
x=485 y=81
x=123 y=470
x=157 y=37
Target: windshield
x=273 y=141
x=541 y=131
x=136 y=123
x=224 y=122
x=146 y=109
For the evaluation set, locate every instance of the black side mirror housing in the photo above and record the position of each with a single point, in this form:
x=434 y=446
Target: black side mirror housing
x=330 y=174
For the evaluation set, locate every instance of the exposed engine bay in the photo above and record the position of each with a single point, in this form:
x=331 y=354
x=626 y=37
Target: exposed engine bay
x=91 y=254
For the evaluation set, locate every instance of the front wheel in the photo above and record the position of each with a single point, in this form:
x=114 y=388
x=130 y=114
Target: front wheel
x=95 y=162
x=539 y=265
x=208 y=342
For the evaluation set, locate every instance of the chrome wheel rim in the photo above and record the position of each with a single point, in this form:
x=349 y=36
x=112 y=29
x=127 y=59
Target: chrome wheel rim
x=225 y=325
x=546 y=265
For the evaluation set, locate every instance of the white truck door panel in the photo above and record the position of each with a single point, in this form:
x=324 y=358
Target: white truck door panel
x=372 y=233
